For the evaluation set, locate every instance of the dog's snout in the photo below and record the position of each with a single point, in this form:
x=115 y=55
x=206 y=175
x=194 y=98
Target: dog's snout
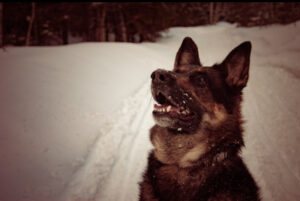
x=161 y=76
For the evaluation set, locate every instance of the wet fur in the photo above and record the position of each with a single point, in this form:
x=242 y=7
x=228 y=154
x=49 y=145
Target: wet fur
x=201 y=162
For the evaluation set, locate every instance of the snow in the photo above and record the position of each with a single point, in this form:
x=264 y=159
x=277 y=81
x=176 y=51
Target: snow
x=74 y=119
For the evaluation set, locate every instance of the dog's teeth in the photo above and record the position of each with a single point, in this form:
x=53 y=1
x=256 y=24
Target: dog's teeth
x=185 y=112
x=169 y=108
x=183 y=102
x=179 y=129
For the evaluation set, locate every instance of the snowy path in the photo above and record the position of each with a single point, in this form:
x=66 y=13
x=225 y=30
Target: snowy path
x=74 y=125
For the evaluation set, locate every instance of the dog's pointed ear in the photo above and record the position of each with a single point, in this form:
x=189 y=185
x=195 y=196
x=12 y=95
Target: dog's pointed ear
x=236 y=65
x=187 y=54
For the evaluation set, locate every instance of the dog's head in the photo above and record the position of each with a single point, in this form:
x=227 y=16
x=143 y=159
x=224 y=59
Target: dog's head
x=192 y=95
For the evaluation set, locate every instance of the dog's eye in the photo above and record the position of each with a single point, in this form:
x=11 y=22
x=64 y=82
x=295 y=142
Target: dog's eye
x=199 y=80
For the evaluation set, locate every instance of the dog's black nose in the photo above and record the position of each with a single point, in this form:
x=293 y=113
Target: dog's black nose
x=153 y=75
x=161 y=76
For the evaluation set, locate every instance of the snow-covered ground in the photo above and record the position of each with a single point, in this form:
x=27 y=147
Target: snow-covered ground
x=74 y=119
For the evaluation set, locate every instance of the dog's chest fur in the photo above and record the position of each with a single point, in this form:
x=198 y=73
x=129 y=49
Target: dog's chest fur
x=176 y=183
x=214 y=179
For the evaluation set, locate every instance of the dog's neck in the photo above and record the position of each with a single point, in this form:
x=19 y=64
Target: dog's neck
x=216 y=148
x=220 y=147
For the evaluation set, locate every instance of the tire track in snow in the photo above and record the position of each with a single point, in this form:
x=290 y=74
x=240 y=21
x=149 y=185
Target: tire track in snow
x=124 y=175
x=134 y=151
x=113 y=146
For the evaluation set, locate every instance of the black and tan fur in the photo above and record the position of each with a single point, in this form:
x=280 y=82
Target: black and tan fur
x=198 y=135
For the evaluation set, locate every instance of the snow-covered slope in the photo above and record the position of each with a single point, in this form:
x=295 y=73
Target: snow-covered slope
x=74 y=119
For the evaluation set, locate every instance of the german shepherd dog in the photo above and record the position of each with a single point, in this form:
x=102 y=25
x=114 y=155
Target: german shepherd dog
x=198 y=135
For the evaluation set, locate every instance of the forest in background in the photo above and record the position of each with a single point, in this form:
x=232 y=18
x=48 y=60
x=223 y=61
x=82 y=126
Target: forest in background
x=41 y=24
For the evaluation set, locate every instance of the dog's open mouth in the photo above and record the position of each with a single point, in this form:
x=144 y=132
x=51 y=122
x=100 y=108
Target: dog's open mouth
x=167 y=106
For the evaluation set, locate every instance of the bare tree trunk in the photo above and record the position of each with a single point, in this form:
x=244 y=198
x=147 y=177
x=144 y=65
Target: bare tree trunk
x=1 y=24
x=211 y=12
x=217 y=12
x=92 y=29
x=272 y=12
x=123 y=26
x=65 y=30
x=102 y=25
x=28 y=37
x=97 y=36
x=225 y=11
x=36 y=33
